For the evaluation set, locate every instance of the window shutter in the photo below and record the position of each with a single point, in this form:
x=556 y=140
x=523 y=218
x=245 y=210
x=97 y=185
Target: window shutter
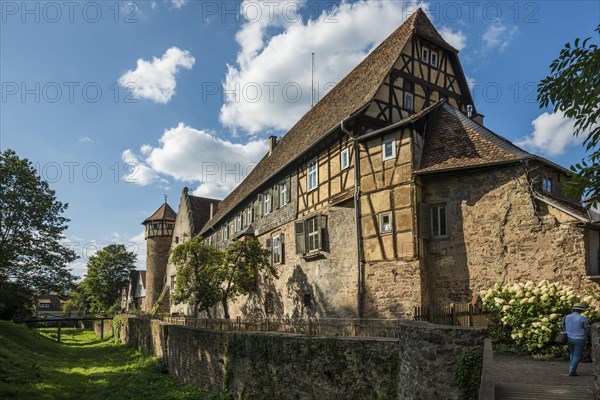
x=321 y=226
x=270 y=248
x=259 y=205
x=282 y=247
x=288 y=192
x=424 y=221
x=300 y=237
x=271 y=198
x=275 y=197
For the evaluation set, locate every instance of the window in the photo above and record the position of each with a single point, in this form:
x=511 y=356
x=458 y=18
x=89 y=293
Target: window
x=43 y=305
x=312 y=177
x=312 y=230
x=269 y=303
x=388 y=149
x=408 y=101
x=425 y=55
x=283 y=188
x=345 y=159
x=434 y=58
x=249 y=215
x=309 y=234
x=547 y=184
x=277 y=259
x=307 y=300
x=238 y=223
x=176 y=239
x=266 y=203
x=225 y=232
x=385 y=222
x=172 y=283
x=439 y=221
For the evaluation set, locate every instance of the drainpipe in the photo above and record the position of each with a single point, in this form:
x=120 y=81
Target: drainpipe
x=359 y=257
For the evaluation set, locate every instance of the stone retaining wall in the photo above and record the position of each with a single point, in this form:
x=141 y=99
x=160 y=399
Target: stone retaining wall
x=596 y=358
x=108 y=329
x=419 y=365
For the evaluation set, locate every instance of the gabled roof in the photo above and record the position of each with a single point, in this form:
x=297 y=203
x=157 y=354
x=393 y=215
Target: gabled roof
x=350 y=96
x=199 y=210
x=454 y=141
x=164 y=212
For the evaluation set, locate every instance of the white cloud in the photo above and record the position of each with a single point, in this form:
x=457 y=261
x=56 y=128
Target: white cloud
x=498 y=36
x=85 y=139
x=552 y=134
x=191 y=155
x=178 y=3
x=137 y=244
x=140 y=173
x=155 y=80
x=456 y=39
x=275 y=56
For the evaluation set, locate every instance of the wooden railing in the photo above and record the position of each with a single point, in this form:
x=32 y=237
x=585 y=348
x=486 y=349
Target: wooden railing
x=349 y=327
x=452 y=314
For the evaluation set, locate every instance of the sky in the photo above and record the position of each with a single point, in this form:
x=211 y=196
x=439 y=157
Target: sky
x=119 y=103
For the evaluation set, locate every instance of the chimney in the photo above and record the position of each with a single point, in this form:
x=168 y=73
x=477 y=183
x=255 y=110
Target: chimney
x=470 y=111
x=212 y=210
x=272 y=143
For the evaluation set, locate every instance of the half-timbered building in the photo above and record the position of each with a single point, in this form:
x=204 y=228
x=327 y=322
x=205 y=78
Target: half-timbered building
x=391 y=193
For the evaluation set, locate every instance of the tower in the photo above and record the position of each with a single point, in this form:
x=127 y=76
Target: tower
x=158 y=234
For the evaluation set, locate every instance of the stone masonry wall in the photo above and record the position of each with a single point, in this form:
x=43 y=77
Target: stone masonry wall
x=106 y=325
x=497 y=233
x=418 y=366
x=596 y=358
x=157 y=256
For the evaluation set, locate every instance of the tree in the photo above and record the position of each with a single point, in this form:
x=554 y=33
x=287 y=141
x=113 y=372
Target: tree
x=573 y=87
x=108 y=272
x=244 y=261
x=197 y=280
x=32 y=257
x=207 y=276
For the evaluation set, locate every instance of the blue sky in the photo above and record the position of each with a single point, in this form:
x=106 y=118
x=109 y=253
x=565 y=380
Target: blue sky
x=67 y=72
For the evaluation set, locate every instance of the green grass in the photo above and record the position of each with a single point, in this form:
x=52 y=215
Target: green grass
x=34 y=366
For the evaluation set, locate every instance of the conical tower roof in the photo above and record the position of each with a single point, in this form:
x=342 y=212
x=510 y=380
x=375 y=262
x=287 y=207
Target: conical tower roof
x=164 y=213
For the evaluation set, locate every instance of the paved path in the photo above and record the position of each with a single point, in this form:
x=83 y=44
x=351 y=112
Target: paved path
x=521 y=378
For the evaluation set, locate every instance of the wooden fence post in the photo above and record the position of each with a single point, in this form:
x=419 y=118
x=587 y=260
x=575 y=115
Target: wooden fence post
x=452 y=314
x=101 y=329
x=58 y=333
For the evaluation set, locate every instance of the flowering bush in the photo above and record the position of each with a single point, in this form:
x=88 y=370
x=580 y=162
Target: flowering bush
x=533 y=312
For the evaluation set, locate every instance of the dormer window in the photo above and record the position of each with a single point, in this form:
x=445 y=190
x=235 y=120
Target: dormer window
x=425 y=55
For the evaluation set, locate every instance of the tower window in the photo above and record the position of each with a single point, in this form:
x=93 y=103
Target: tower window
x=408 y=101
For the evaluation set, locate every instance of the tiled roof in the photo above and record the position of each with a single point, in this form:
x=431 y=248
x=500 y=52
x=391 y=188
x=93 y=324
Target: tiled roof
x=164 y=212
x=199 y=208
x=348 y=97
x=454 y=141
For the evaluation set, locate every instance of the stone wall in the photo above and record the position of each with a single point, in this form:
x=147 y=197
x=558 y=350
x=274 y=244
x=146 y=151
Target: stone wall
x=498 y=233
x=106 y=325
x=157 y=257
x=418 y=365
x=596 y=358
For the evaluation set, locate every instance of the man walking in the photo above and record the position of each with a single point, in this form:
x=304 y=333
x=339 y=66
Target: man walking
x=576 y=327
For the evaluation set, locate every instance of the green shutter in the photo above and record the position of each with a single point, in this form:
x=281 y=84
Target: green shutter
x=424 y=221
x=288 y=193
x=282 y=247
x=300 y=237
x=276 y=197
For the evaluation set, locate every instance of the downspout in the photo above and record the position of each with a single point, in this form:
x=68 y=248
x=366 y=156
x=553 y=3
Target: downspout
x=359 y=256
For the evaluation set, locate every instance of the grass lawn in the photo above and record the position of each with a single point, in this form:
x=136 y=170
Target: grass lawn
x=34 y=366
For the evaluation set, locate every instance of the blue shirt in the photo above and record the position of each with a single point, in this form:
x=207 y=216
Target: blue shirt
x=575 y=325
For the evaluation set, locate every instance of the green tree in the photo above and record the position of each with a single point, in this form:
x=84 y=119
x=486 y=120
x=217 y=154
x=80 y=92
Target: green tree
x=31 y=229
x=32 y=256
x=108 y=272
x=197 y=280
x=244 y=261
x=573 y=87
